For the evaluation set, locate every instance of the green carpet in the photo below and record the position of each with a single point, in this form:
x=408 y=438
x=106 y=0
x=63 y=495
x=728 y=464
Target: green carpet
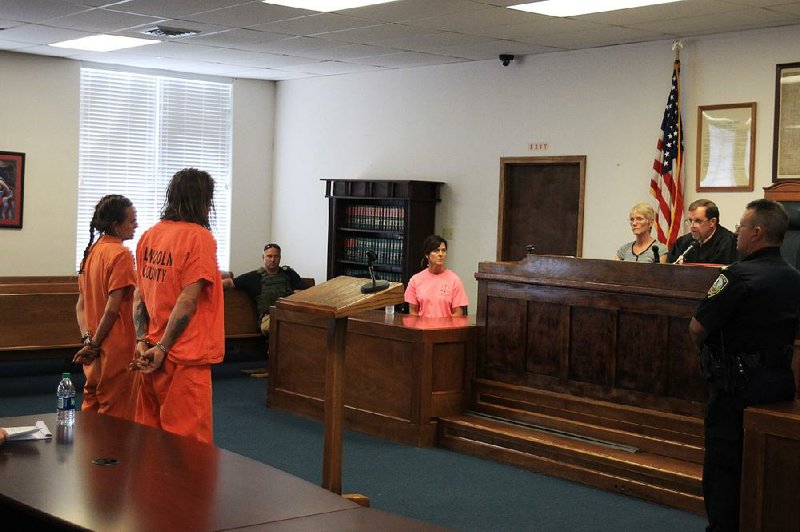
x=435 y=485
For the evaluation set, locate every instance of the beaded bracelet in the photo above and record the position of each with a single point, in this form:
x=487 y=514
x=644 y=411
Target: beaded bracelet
x=161 y=346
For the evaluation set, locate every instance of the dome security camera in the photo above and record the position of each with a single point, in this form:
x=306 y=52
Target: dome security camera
x=506 y=59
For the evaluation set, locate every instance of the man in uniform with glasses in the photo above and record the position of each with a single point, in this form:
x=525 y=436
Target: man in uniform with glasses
x=708 y=242
x=745 y=330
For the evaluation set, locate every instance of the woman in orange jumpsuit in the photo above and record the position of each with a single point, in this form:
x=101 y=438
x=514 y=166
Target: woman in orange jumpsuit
x=105 y=311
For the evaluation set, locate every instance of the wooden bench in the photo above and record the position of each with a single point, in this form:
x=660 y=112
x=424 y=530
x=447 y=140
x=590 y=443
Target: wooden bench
x=38 y=320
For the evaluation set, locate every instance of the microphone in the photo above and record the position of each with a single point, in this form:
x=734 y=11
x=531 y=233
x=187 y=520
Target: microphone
x=375 y=285
x=655 y=253
x=693 y=245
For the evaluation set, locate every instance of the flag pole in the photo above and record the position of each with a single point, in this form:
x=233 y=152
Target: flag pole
x=677 y=46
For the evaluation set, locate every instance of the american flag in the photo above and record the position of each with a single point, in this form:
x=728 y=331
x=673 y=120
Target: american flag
x=666 y=185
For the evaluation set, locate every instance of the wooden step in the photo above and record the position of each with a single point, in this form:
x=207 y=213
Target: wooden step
x=671 y=435
x=653 y=477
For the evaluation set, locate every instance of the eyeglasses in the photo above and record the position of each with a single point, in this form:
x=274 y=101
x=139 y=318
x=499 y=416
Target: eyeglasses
x=689 y=222
x=739 y=226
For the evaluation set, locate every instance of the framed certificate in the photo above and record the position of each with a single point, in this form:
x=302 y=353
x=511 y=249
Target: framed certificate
x=786 y=137
x=726 y=141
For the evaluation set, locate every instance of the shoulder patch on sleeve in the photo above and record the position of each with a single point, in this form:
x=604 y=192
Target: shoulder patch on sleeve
x=719 y=285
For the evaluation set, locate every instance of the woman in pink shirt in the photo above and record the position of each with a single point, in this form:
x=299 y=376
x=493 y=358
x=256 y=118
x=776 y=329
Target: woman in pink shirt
x=435 y=292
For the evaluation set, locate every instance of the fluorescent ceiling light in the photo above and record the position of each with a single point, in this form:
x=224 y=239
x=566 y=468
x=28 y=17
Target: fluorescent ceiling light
x=104 y=43
x=326 y=5
x=571 y=8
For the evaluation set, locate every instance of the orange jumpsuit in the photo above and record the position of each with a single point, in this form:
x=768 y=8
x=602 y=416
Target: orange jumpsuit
x=177 y=397
x=110 y=387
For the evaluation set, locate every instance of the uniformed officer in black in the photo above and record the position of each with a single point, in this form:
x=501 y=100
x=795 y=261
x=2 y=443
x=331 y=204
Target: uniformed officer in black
x=745 y=329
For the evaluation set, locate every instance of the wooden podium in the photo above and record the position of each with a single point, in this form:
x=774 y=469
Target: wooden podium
x=336 y=300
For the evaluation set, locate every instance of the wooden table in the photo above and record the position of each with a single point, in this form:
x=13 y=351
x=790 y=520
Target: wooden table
x=401 y=372
x=161 y=482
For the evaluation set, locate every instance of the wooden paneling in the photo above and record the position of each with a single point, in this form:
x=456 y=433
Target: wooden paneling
x=505 y=343
x=641 y=352
x=400 y=372
x=547 y=337
x=592 y=343
x=39 y=319
x=601 y=329
x=770 y=468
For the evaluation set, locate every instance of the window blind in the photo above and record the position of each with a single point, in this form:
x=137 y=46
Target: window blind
x=137 y=130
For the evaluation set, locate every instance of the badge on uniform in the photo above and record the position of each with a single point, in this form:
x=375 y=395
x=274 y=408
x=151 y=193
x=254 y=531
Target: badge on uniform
x=718 y=286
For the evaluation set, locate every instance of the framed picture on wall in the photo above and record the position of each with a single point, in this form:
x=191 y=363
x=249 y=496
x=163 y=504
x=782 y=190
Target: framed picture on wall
x=12 y=184
x=726 y=142
x=786 y=136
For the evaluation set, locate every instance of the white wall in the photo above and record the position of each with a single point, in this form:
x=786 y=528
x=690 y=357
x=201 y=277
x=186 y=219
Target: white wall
x=40 y=106
x=253 y=121
x=40 y=117
x=453 y=123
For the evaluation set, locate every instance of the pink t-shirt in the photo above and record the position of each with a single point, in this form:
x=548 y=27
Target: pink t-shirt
x=436 y=294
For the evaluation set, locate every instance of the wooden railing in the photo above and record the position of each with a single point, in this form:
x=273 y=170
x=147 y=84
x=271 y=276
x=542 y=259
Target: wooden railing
x=38 y=319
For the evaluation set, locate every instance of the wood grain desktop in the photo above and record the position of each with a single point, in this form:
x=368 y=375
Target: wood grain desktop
x=160 y=481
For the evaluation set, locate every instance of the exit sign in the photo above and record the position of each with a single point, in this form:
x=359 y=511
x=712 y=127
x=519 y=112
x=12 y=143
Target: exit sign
x=539 y=146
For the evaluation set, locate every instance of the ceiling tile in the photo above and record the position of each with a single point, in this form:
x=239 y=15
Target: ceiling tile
x=741 y=19
x=251 y=36
x=293 y=45
x=414 y=9
x=102 y=21
x=408 y=59
x=314 y=24
x=661 y=12
x=248 y=14
x=328 y=68
x=243 y=39
x=39 y=34
x=373 y=34
x=38 y=10
x=469 y=21
x=346 y=52
x=480 y=51
x=606 y=36
x=172 y=8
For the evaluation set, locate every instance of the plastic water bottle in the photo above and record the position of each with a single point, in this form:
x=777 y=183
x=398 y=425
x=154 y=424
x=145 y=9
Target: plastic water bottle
x=66 y=401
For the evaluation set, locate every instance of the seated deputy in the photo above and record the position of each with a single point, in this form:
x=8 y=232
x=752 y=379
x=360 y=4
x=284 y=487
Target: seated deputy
x=267 y=284
x=712 y=243
x=645 y=248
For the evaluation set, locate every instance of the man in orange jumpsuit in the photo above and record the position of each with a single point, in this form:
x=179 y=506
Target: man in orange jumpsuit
x=178 y=311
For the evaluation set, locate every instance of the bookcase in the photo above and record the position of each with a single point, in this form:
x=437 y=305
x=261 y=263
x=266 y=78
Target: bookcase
x=391 y=218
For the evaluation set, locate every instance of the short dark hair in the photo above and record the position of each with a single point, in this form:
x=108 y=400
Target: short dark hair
x=272 y=245
x=771 y=217
x=712 y=211
x=190 y=197
x=431 y=243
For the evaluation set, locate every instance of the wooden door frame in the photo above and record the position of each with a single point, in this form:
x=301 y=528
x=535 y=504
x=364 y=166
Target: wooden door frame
x=580 y=160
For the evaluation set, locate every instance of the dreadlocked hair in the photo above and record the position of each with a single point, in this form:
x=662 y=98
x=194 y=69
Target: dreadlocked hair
x=190 y=197
x=109 y=210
